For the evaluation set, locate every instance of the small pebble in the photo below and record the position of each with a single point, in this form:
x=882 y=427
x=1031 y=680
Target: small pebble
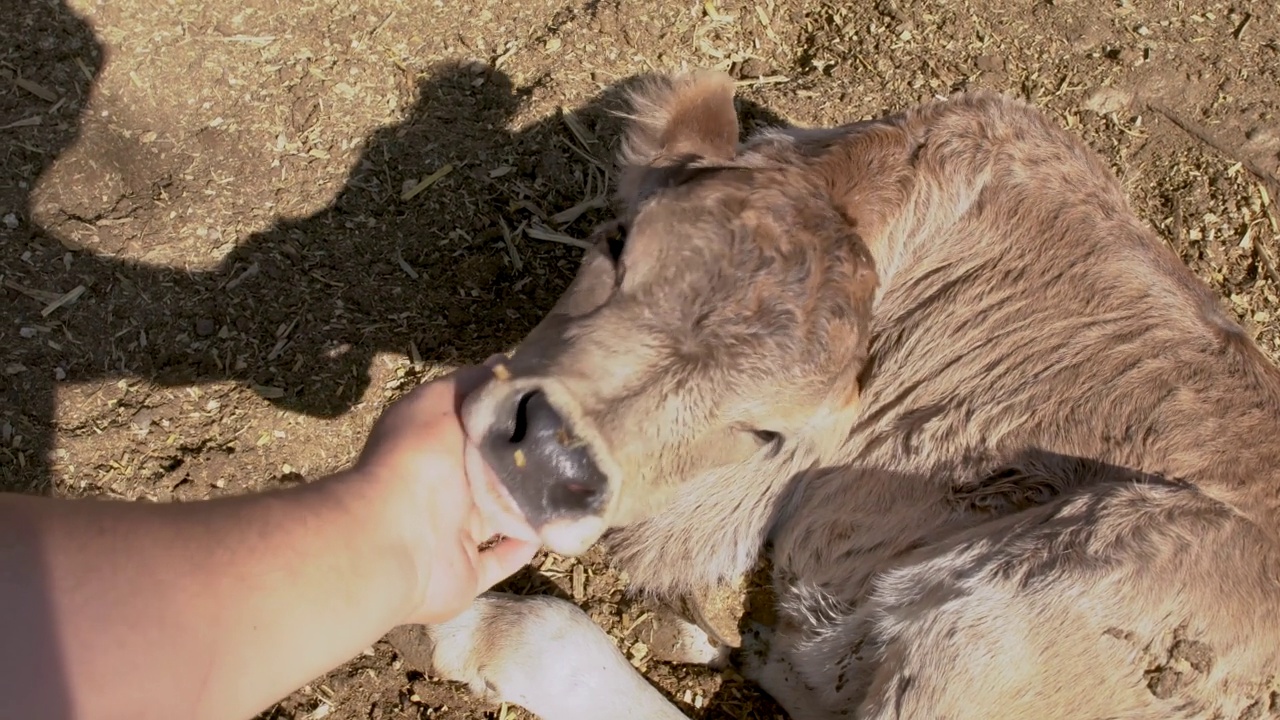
x=205 y=327
x=990 y=63
x=754 y=68
x=420 y=688
x=1262 y=135
x=1108 y=100
x=11 y=221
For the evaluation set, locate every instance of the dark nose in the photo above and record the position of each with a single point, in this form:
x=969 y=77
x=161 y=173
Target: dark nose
x=547 y=469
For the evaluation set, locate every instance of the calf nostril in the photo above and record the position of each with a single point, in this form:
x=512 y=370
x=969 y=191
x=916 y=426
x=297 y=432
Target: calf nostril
x=520 y=425
x=536 y=419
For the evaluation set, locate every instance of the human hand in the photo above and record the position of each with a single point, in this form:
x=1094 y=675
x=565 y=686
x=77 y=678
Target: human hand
x=419 y=447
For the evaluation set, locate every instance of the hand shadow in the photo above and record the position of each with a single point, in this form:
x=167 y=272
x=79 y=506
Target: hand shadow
x=299 y=311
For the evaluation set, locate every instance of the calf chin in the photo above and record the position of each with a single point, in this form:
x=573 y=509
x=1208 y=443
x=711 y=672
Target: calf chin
x=572 y=537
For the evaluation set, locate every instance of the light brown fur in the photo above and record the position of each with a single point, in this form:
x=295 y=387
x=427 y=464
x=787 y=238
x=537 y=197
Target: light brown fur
x=1032 y=470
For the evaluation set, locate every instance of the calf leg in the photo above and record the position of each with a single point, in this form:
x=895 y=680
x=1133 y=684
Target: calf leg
x=545 y=655
x=766 y=659
x=1120 y=602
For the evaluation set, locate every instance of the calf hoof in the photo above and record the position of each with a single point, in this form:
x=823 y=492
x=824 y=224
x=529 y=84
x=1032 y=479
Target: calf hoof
x=672 y=638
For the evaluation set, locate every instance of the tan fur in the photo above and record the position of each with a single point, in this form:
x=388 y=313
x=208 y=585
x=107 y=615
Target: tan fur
x=1038 y=478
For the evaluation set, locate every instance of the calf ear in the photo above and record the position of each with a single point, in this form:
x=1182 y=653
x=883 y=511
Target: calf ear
x=675 y=120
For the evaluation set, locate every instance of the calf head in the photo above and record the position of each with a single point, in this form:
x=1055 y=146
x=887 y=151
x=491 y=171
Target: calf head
x=719 y=321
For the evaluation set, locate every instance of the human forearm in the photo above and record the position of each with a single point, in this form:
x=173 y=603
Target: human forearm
x=108 y=607
x=215 y=609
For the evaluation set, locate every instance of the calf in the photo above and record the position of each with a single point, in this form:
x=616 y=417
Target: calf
x=1008 y=456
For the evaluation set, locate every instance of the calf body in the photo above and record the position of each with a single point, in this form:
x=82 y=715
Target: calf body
x=1038 y=474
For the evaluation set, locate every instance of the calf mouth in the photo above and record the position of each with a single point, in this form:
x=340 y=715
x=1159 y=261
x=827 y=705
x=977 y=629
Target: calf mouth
x=545 y=466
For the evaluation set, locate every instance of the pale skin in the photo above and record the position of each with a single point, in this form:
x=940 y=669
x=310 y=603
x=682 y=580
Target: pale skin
x=217 y=609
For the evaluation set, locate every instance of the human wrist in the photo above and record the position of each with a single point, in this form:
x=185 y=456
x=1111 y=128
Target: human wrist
x=387 y=523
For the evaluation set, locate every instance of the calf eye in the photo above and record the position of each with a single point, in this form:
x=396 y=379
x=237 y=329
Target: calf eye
x=768 y=440
x=767 y=437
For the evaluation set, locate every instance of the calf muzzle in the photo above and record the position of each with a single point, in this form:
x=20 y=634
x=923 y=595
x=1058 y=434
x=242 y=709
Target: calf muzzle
x=548 y=470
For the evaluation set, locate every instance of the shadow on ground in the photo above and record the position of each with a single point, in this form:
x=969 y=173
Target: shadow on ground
x=297 y=312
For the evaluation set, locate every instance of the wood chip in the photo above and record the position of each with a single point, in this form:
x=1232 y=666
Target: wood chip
x=256 y=40
x=579 y=130
x=1246 y=242
x=542 y=232
x=84 y=69
x=714 y=13
x=37 y=89
x=508 y=237
x=24 y=122
x=325 y=280
x=643 y=616
x=639 y=651
x=40 y=295
x=766 y=80
x=526 y=205
x=589 y=157
x=1268 y=263
x=506 y=55
x=579 y=582
x=1268 y=206
x=426 y=182
x=564 y=217
x=268 y=392
x=408 y=270
x=597 y=197
x=66 y=299
x=279 y=347
x=235 y=282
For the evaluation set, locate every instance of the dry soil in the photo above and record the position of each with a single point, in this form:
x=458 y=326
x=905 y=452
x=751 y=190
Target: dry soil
x=231 y=232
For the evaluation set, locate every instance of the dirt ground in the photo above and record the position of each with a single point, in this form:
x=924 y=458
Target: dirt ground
x=231 y=232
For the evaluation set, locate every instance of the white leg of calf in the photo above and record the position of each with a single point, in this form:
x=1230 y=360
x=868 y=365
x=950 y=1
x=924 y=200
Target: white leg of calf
x=545 y=655
x=765 y=659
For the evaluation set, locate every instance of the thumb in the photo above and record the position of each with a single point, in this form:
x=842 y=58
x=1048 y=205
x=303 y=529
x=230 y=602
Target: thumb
x=502 y=561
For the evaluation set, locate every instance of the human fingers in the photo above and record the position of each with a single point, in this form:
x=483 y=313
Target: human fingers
x=469 y=378
x=429 y=398
x=501 y=561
